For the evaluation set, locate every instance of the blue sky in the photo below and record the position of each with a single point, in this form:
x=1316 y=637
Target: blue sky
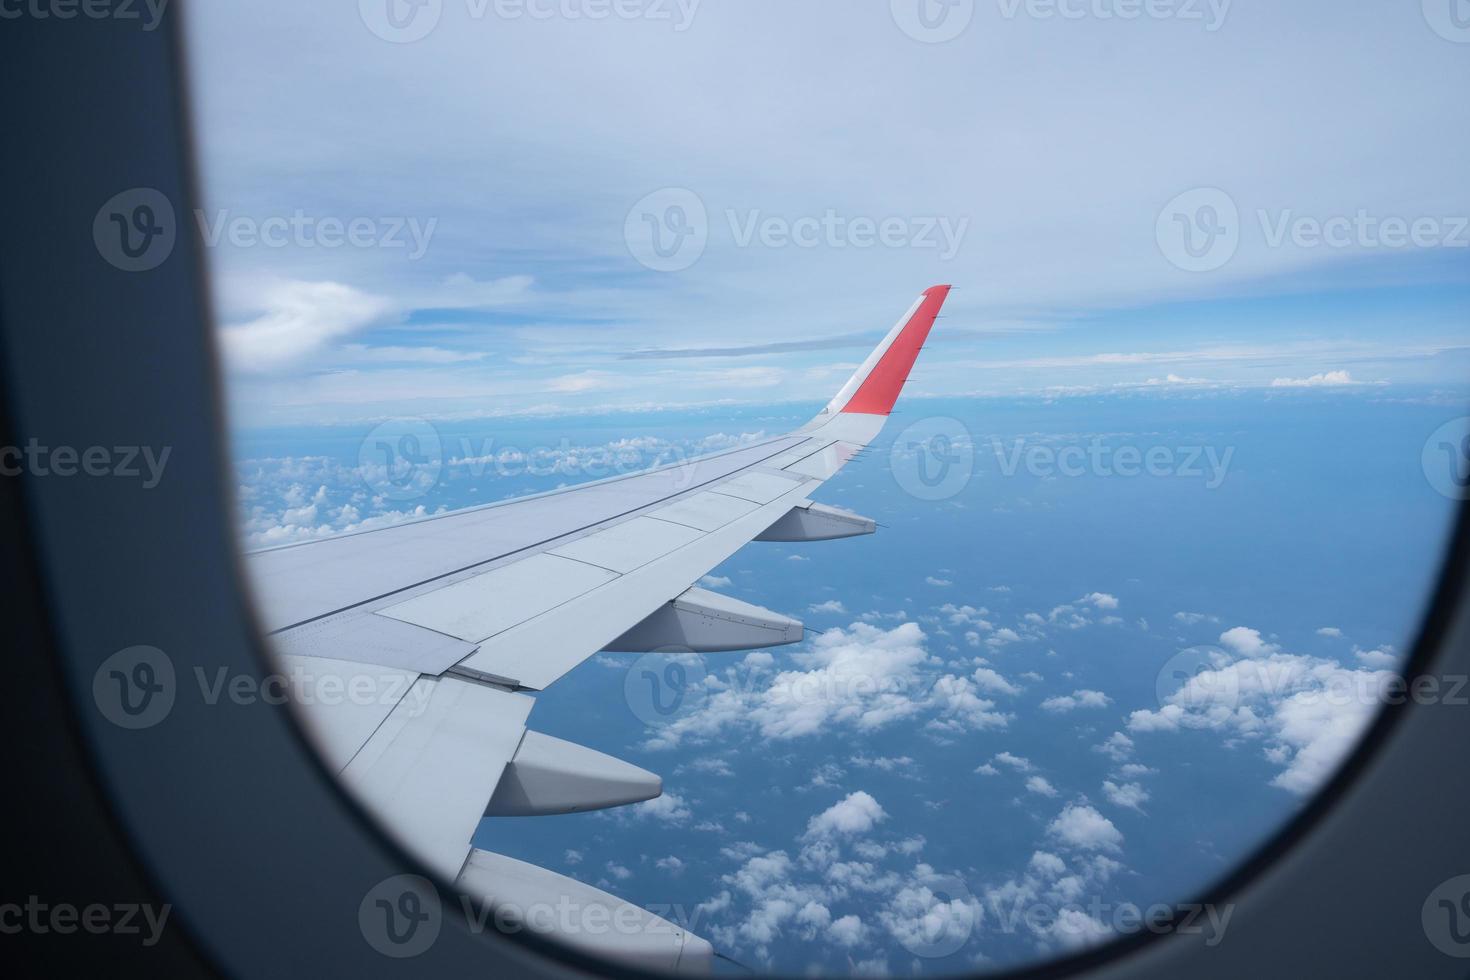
x=619 y=241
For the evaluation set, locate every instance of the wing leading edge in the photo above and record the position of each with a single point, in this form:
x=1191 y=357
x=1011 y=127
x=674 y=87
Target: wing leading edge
x=456 y=620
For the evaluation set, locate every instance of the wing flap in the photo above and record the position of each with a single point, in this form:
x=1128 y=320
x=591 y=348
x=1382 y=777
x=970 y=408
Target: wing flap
x=429 y=770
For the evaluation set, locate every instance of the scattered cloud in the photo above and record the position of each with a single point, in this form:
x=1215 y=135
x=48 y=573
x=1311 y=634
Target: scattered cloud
x=1077 y=699
x=1080 y=826
x=1130 y=795
x=1327 y=379
x=1306 y=712
x=1041 y=786
x=857 y=813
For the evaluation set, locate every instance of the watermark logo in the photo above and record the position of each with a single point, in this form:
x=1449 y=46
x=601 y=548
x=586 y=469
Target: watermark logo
x=1446 y=459
x=400 y=21
x=946 y=926
x=933 y=459
x=1446 y=917
x=668 y=230
x=663 y=686
x=401 y=916
x=1199 y=231
x=1450 y=19
x=401 y=459
x=135 y=230
x=933 y=21
x=135 y=688
x=1198 y=678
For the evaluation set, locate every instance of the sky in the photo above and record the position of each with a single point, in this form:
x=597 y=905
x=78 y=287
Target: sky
x=1232 y=233
x=808 y=169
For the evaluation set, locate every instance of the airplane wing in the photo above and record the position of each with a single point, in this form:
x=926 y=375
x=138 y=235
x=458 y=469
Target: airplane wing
x=447 y=626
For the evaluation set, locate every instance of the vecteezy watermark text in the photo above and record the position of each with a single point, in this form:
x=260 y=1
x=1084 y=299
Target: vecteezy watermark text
x=138 y=687
x=1097 y=458
x=406 y=21
x=136 y=230
x=669 y=230
x=403 y=459
x=838 y=231
x=402 y=916
x=148 y=12
x=1210 y=14
x=302 y=230
x=1202 y=229
x=126 y=462
x=42 y=918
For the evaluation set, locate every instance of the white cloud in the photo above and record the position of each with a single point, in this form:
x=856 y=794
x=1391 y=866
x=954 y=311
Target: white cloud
x=1307 y=712
x=925 y=914
x=1117 y=747
x=712 y=766
x=863 y=678
x=1077 y=699
x=572 y=857
x=1331 y=631
x=942 y=583
x=992 y=682
x=830 y=606
x=1130 y=795
x=1041 y=786
x=618 y=871
x=1073 y=928
x=1383 y=658
x=1082 y=827
x=1101 y=600
x=290 y=319
x=360 y=353
x=1016 y=762
x=1246 y=642
x=885 y=763
x=1191 y=618
x=1001 y=637
x=668 y=808
x=671 y=864
x=1048 y=865
x=847 y=931
x=1326 y=379
x=715 y=582
x=857 y=813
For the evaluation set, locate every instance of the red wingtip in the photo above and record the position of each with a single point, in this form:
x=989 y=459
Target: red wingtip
x=881 y=388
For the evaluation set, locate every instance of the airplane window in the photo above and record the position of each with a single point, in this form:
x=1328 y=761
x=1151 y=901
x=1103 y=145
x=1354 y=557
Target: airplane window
x=916 y=489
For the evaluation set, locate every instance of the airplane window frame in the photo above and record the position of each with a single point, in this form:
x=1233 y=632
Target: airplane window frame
x=93 y=355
